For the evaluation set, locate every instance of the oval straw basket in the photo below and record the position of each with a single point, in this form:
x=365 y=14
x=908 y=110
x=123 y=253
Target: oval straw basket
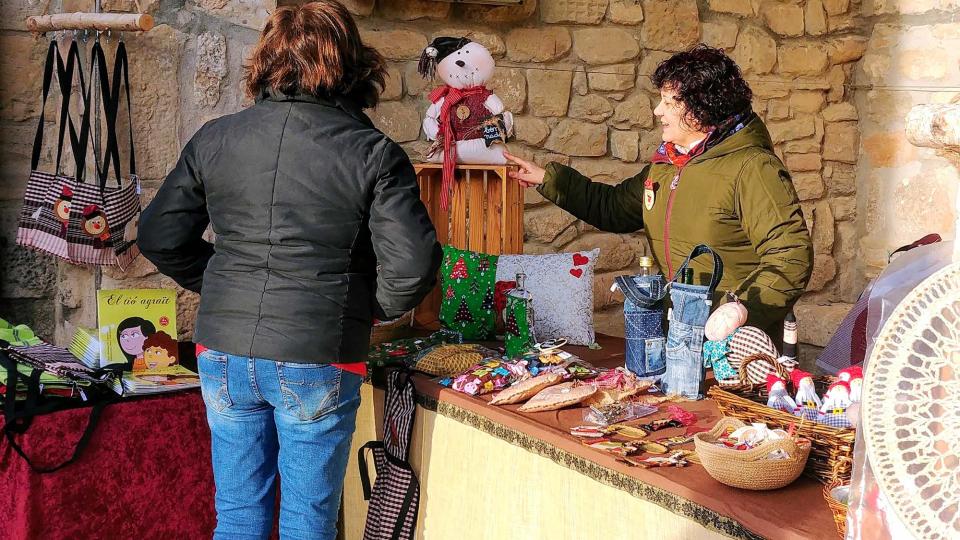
x=750 y=469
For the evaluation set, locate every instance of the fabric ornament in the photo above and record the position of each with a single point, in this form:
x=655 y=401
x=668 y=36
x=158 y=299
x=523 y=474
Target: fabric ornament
x=490 y=376
x=853 y=376
x=808 y=402
x=558 y=397
x=836 y=400
x=715 y=356
x=526 y=389
x=779 y=398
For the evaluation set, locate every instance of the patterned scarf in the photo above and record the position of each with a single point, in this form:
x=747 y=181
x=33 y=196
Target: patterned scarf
x=669 y=153
x=451 y=97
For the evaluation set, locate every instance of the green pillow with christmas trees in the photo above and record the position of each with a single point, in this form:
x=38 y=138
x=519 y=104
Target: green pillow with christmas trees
x=467 y=280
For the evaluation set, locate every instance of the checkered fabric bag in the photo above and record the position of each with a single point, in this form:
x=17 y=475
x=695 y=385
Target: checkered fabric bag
x=83 y=222
x=848 y=346
x=395 y=495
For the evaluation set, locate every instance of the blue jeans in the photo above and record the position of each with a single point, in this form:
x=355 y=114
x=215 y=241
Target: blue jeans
x=267 y=417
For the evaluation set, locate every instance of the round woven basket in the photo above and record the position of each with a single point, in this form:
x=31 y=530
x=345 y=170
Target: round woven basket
x=750 y=469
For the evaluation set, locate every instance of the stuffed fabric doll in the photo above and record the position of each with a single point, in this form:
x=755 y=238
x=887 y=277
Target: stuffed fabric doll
x=466 y=120
x=779 y=397
x=808 y=402
x=853 y=376
x=836 y=400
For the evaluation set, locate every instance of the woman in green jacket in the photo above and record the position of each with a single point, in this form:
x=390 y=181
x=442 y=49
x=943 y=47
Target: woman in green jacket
x=714 y=180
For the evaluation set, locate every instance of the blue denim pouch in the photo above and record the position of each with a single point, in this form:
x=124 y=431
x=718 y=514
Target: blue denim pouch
x=690 y=308
x=643 y=323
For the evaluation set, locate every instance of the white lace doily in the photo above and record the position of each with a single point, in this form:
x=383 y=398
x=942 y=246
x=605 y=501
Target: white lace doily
x=911 y=407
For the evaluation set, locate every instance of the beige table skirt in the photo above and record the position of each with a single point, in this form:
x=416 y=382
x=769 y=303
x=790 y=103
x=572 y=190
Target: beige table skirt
x=480 y=480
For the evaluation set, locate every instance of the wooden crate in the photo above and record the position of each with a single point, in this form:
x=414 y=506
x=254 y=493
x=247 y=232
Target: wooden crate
x=485 y=214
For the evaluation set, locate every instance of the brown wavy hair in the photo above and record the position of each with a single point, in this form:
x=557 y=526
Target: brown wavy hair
x=316 y=49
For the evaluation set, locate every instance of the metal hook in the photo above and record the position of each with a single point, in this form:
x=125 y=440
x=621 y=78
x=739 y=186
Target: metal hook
x=74 y=35
x=98 y=35
x=108 y=35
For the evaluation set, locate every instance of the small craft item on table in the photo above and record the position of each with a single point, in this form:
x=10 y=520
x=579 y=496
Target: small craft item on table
x=747 y=341
x=617 y=412
x=558 y=397
x=755 y=368
x=854 y=377
x=725 y=320
x=467 y=280
x=715 y=356
x=525 y=389
x=836 y=400
x=677 y=459
x=751 y=457
x=489 y=376
x=449 y=360
x=403 y=351
x=616 y=385
x=519 y=325
x=808 y=402
x=685 y=417
x=548 y=352
x=678 y=440
x=778 y=396
x=657 y=400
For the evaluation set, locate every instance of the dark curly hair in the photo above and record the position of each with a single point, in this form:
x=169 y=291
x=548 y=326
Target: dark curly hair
x=707 y=82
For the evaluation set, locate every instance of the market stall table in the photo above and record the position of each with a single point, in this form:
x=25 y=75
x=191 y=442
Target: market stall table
x=491 y=472
x=145 y=474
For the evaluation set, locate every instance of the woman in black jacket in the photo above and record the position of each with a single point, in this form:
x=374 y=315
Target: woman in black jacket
x=318 y=229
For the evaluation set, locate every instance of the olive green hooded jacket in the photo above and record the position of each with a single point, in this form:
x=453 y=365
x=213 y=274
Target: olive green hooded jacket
x=736 y=197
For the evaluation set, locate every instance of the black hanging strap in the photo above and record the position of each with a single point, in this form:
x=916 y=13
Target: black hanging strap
x=52 y=56
x=703 y=249
x=121 y=81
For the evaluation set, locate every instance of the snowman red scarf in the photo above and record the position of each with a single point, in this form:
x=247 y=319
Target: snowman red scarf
x=451 y=97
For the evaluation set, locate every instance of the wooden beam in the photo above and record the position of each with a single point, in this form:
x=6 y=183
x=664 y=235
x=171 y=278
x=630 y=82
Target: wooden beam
x=120 y=22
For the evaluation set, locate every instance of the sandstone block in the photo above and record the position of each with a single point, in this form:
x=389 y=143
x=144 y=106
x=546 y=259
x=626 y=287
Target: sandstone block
x=624 y=145
x=802 y=162
x=613 y=78
x=498 y=14
x=721 y=33
x=844 y=208
x=210 y=69
x=824 y=270
x=573 y=11
x=756 y=51
x=783 y=19
x=544 y=224
x=846 y=49
x=580 y=86
x=399 y=121
x=805 y=59
x=836 y=7
x=817 y=324
x=625 y=12
x=738 y=7
x=807 y=101
x=530 y=130
x=591 y=107
x=838 y=112
x=815 y=18
x=395 y=44
x=410 y=10
x=246 y=13
x=359 y=7
x=510 y=85
x=777 y=109
x=841 y=142
x=671 y=25
x=548 y=92
x=577 y=138
x=394 y=85
x=605 y=45
x=537 y=44
x=634 y=111
x=809 y=185
x=789 y=130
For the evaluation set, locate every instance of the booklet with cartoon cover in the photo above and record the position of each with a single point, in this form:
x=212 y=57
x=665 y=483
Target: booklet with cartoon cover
x=138 y=328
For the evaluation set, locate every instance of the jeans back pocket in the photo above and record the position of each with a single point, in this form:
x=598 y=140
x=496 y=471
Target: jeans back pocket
x=212 y=368
x=309 y=390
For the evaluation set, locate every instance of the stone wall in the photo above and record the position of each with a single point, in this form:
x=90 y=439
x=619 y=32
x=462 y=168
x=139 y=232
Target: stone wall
x=574 y=72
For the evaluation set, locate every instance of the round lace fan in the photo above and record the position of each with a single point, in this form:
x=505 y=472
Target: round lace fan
x=911 y=407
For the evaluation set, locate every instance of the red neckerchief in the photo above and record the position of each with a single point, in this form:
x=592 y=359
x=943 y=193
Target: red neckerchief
x=451 y=96
x=668 y=153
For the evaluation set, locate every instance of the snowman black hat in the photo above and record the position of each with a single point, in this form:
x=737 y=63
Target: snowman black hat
x=439 y=49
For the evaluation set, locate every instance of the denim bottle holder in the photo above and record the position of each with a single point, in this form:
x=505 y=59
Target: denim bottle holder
x=690 y=308
x=643 y=323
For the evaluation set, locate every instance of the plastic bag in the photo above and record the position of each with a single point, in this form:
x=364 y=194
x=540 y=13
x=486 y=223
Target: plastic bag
x=869 y=514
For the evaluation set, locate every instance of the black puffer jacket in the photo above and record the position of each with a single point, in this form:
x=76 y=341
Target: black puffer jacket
x=306 y=199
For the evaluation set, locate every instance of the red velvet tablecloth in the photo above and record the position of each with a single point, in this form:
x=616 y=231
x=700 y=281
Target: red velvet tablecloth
x=145 y=474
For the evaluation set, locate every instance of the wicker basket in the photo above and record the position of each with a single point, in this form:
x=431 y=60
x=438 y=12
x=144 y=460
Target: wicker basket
x=750 y=469
x=832 y=454
x=838 y=508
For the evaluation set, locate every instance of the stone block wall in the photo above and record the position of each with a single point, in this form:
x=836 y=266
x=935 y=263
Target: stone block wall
x=574 y=72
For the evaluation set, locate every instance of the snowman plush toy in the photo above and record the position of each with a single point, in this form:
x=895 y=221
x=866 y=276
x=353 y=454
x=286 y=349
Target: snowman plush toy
x=466 y=121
